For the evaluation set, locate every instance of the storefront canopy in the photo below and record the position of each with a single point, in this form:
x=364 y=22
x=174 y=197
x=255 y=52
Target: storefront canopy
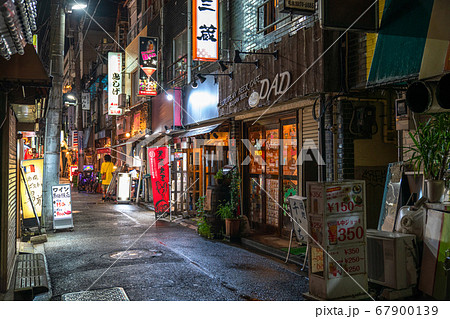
x=200 y=130
x=25 y=80
x=401 y=41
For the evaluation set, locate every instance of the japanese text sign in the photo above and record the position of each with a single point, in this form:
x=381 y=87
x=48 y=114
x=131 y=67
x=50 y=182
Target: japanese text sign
x=159 y=170
x=34 y=172
x=345 y=229
x=114 y=82
x=86 y=101
x=300 y=221
x=148 y=63
x=205 y=30
x=62 y=202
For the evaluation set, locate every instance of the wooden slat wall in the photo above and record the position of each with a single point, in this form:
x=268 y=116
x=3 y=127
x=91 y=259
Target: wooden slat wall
x=296 y=54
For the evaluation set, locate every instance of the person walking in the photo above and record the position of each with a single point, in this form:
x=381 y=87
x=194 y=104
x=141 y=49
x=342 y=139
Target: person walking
x=106 y=171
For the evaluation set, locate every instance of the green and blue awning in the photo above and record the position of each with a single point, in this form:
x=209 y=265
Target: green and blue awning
x=401 y=41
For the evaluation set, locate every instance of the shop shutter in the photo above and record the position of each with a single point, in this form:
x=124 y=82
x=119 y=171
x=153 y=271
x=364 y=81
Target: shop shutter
x=12 y=195
x=309 y=127
x=9 y=201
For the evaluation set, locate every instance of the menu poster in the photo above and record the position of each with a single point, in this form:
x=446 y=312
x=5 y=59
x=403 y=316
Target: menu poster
x=33 y=171
x=62 y=202
x=256 y=154
x=272 y=152
x=272 y=206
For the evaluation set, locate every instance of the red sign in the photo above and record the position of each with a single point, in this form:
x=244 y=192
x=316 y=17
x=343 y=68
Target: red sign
x=104 y=150
x=159 y=170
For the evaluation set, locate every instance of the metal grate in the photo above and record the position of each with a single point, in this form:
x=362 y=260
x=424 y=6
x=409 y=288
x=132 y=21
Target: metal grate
x=31 y=274
x=109 y=294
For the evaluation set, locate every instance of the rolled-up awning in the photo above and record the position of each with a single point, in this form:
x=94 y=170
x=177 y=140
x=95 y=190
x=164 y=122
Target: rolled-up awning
x=401 y=41
x=200 y=130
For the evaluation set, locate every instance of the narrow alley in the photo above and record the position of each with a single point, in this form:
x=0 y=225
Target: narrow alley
x=160 y=261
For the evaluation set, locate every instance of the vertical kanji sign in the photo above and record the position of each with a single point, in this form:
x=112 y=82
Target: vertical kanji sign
x=114 y=82
x=205 y=30
x=159 y=170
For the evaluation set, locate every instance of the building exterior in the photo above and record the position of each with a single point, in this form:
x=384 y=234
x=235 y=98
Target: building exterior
x=24 y=86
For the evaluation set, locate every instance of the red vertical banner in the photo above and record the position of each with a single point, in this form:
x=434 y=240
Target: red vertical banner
x=159 y=170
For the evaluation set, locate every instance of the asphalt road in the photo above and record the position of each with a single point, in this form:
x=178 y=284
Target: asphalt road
x=160 y=260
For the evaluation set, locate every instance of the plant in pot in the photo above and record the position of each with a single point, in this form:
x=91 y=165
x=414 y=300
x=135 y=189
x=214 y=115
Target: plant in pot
x=228 y=211
x=430 y=152
x=203 y=227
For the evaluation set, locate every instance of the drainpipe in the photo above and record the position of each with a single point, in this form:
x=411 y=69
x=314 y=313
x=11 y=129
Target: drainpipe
x=322 y=147
x=189 y=42
x=161 y=37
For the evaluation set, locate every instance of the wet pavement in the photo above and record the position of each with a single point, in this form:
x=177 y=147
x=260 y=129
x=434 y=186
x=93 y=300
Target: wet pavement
x=123 y=246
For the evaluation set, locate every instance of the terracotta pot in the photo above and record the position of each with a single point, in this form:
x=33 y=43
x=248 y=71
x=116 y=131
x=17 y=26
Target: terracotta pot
x=232 y=227
x=435 y=190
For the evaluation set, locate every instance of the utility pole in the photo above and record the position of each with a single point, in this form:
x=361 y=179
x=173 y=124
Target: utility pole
x=53 y=119
x=78 y=75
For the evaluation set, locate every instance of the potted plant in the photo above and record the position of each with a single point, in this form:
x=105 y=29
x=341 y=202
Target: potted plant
x=430 y=152
x=228 y=211
x=203 y=227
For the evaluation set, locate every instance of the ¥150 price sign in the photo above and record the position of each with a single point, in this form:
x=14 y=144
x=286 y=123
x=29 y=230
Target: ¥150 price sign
x=345 y=199
x=345 y=229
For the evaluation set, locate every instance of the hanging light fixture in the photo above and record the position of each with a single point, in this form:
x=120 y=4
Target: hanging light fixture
x=237 y=55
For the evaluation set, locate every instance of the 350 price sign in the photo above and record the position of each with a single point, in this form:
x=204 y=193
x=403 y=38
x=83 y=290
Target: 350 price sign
x=345 y=230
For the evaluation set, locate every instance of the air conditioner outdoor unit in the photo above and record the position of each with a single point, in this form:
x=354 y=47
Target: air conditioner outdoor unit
x=122 y=100
x=391 y=259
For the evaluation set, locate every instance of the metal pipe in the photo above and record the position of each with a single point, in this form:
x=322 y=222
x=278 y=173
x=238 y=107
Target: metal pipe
x=189 y=42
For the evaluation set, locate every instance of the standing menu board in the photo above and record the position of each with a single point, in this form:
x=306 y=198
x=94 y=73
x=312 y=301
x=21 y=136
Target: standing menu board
x=62 y=207
x=33 y=171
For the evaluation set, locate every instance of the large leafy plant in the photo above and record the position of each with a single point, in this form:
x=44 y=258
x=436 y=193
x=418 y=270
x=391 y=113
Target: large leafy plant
x=431 y=146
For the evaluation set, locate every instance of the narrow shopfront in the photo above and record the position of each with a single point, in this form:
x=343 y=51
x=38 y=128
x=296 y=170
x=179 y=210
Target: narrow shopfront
x=274 y=145
x=197 y=155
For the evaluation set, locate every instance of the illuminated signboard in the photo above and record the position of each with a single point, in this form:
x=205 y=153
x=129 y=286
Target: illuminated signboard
x=205 y=30
x=148 y=62
x=114 y=82
x=33 y=171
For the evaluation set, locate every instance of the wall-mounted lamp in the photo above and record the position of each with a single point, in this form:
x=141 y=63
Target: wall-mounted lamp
x=223 y=66
x=169 y=97
x=75 y=5
x=237 y=57
x=202 y=78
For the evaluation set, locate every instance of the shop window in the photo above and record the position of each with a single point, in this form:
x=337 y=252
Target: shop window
x=256 y=159
x=177 y=70
x=272 y=151
x=269 y=16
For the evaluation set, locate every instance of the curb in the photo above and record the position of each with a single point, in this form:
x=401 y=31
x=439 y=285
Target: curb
x=40 y=249
x=274 y=252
